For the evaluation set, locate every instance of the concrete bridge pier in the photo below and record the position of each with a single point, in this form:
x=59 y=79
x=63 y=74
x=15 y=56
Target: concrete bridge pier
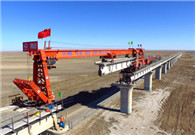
x=175 y=60
x=171 y=63
x=158 y=73
x=148 y=81
x=168 y=65
x=164 y=70
x=126 y=99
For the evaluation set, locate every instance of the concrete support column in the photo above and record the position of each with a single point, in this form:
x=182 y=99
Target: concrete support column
x=148 y=81
x=168 y=65
x=171 y=63
x=158 y=73
x=126 y=99
x=164 y=70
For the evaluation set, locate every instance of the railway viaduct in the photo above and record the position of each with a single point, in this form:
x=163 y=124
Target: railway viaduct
x=126 y=90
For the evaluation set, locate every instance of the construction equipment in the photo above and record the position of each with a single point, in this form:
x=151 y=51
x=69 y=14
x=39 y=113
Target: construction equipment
x=39 y=88
x=17 y=100
x=141 y=63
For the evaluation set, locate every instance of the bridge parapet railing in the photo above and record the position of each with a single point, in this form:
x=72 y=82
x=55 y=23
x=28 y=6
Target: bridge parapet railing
x=26 y=117
x=138 y=74
x=9 y=123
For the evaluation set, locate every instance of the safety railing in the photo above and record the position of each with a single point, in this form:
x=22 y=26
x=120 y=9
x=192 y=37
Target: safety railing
x=23 y=116
x=9 y=123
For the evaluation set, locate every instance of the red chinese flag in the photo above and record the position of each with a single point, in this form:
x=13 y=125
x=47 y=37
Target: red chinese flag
x=45 y=33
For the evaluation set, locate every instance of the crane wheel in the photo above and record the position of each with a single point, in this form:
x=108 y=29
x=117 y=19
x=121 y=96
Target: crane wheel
x=14 y=101
x=17 y=100
x=21 y=99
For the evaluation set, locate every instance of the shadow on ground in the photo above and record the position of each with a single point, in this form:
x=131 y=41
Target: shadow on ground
x=90 y=99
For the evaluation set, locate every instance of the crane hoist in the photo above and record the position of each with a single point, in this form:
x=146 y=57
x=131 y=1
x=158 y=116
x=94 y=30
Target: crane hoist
x=39 y=88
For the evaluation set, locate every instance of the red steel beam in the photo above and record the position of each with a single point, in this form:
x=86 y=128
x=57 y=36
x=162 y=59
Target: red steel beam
x=78 y=53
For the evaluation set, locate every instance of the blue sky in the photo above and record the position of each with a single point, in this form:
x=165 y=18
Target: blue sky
x=156 y=25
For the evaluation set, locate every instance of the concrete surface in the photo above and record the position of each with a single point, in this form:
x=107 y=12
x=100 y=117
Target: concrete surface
x=37 y=127
x=126 y=94
x=168 y=65
x=164 y=69
x=158 y=73
x=148 y=81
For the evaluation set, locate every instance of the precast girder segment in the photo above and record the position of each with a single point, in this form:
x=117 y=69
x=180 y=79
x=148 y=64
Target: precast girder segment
x=110 y=66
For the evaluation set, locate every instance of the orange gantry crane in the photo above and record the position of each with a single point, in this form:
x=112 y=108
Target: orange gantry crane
x=39 y=88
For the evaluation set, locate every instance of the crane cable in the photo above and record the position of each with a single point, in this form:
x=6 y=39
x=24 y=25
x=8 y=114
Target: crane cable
x=78 y=44
x=27 y=69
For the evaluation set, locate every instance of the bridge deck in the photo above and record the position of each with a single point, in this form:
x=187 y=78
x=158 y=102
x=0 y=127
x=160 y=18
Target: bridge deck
x=26 y=121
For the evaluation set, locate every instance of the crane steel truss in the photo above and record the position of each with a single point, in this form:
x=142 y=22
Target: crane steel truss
x=39 y=88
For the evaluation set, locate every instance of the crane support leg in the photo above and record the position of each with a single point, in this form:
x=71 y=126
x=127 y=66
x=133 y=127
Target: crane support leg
x=41 y=77
x=39 y=89
x=31 y=90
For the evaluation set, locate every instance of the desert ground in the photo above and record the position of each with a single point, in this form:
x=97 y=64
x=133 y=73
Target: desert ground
x=168 y=109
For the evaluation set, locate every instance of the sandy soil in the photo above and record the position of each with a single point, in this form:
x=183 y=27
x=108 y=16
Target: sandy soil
x=141 y=121
x=178 y=114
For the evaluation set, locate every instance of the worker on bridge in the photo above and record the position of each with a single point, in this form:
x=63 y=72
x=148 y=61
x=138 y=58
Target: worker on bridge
x=61 y=121
x=50 y=104
x=52 y=97
x=120 y=80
